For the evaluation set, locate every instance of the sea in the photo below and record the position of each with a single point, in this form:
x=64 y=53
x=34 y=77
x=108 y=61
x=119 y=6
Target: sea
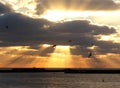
x=58 y=80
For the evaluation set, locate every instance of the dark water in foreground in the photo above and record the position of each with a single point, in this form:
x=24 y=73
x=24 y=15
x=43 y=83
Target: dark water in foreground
x=58 y=80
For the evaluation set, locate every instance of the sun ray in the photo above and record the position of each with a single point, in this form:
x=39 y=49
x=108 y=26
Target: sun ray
x=109 y=60
x=60 y=58
x=43 y=47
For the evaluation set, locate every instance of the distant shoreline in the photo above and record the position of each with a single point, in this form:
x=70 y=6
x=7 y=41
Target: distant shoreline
x=65 y=70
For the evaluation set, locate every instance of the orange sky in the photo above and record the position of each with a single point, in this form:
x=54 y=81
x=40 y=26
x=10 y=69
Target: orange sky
x=62 y=56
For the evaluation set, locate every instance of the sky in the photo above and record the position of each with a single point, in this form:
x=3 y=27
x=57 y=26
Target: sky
x=59 y=33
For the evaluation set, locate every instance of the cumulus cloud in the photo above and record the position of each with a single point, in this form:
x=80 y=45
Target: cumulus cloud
x=25 y=31
x=5 y=8
x=87 y=5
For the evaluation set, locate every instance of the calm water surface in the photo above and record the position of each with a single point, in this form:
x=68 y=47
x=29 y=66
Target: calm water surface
x=58 y=80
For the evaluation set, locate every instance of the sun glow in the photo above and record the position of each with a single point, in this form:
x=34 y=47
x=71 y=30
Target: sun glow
x=60 y=57
x=62 y=15
x=113 y=38
x=46 y=45
x=57 y=15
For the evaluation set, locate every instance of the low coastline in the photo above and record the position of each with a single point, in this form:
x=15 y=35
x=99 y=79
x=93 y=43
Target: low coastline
x=65 y=70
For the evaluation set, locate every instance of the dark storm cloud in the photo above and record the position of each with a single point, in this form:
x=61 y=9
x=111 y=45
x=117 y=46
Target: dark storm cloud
x=82 y=26
x=5 y=8
x=83 y=34
x=24 y=31
x=90 y=5
x=107 y=47
x=102 y=47
x=21 y=29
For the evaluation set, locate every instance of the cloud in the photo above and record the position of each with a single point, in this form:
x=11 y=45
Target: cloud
x=21 y=28
x=41 y=6
x=5 y=8
x=87 y=5
x=25 y=31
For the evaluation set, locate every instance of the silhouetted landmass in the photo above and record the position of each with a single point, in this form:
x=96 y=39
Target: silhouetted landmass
x=67 y=70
